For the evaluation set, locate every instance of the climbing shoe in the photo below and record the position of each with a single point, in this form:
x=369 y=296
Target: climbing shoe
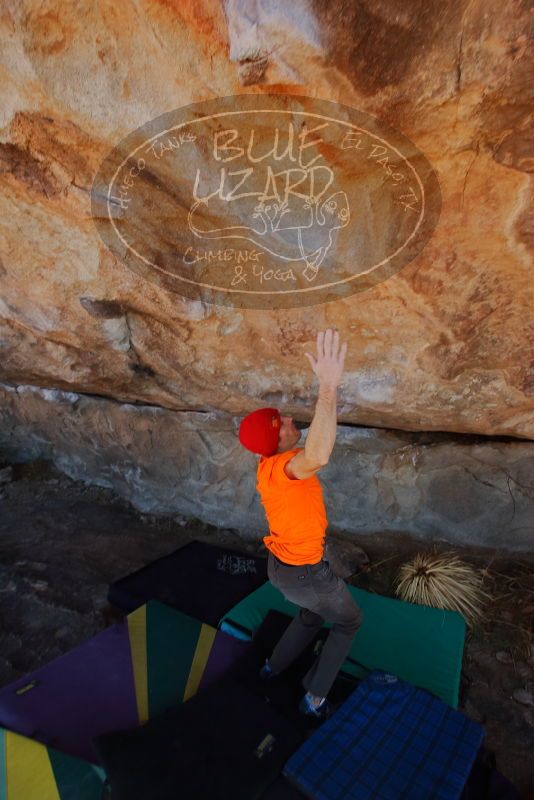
x=266 y=672
x=320 y=711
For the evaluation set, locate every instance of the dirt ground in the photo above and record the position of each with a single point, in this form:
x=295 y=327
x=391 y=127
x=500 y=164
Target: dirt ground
x=62 y=542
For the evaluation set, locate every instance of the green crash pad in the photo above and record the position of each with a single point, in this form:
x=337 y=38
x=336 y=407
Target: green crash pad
x=31 y=771
x=421 y=645
x=173 y=656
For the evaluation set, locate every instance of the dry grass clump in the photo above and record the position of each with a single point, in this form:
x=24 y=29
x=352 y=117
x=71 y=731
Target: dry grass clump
x=442 y=581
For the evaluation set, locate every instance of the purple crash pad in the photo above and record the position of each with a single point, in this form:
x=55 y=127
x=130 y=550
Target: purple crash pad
x=156 y=658
x=76 y=697
x=226 y=651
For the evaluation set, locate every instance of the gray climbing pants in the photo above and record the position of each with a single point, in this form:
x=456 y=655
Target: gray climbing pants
x=322 y=597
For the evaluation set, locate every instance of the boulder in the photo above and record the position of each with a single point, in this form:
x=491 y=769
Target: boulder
x=442 y=345
x=464 y=490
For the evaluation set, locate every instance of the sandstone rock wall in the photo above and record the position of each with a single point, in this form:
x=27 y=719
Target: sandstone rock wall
x=444 y=345
x=462 y=490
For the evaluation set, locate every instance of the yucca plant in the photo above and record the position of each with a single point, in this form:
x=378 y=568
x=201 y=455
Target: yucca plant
x=444 y=581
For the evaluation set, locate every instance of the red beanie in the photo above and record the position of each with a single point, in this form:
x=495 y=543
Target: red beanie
x=260 y=430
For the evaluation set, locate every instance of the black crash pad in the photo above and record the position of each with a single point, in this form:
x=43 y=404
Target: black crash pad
x=224 y=743
x=199 y=579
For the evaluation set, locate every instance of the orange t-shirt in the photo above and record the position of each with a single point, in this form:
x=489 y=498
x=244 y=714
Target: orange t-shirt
x=295 y=511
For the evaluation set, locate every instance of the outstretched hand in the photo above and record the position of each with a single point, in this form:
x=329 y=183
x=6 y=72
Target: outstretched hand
x=330 y=361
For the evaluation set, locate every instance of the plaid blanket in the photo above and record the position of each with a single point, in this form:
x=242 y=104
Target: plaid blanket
x=388 y=741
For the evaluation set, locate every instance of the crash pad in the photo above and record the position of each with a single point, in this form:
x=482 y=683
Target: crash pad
x=223 y=743
x=31 y=771
x=285 y=691
x=419 y=644
x=122 y=676
x=199 y=579
x=388 y=740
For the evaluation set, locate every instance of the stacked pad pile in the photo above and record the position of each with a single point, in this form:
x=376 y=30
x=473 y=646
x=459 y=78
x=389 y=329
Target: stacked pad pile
x=132 y=671
x=169 y=704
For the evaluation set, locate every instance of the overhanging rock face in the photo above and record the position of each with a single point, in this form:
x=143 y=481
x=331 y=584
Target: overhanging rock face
x=463 y=490
x=442 y=345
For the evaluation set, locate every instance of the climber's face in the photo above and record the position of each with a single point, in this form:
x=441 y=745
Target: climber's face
x=289 y=434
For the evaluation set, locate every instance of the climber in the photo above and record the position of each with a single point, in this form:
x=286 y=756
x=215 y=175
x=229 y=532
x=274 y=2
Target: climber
x=292 y=497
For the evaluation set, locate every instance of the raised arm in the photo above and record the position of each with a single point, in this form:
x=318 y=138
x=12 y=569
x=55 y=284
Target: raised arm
x=328 y=366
